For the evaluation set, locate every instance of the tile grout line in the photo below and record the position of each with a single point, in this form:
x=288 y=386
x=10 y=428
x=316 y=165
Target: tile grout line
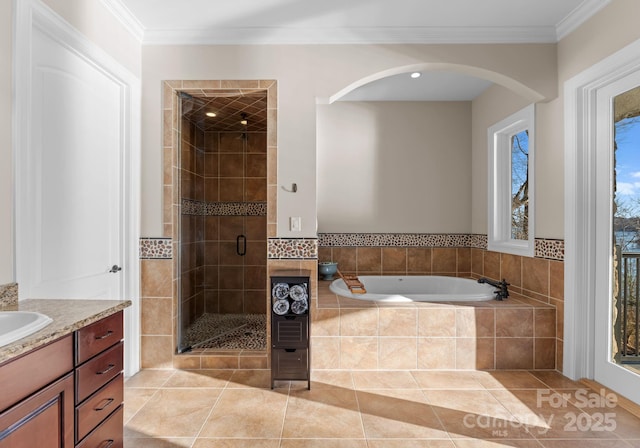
x=284 y=415
x=444 y=428
x=157 y=391
x=197 y=436
x=355 y=392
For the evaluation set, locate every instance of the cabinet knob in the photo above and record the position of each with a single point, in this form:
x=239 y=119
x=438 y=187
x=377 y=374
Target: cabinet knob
x=115 y=268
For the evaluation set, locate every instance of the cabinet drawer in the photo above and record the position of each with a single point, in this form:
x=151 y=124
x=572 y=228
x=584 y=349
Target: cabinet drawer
x=108 y=434
x=290 y=331
x=98 y=336
x=290 y=364
x=23 y=376
x=98 y=372
x=98 y=407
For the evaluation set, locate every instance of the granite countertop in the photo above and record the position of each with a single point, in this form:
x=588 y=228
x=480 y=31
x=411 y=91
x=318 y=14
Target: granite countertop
x=68 y=315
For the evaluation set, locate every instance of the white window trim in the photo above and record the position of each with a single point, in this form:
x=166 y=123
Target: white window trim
x=580 y=184
x=500 y=183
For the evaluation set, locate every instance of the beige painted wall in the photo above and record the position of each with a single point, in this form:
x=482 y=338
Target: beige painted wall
x=394 y=167
x=493 y=105
x=605 y=33
x=306 y=74
x=94 y=21
x=614 y=27
x=611 y=29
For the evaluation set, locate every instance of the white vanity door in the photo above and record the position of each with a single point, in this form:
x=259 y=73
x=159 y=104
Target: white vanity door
x=73 y=189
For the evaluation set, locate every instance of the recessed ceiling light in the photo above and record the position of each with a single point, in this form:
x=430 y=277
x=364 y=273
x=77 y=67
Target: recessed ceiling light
x=210 y=114
x=415 y=75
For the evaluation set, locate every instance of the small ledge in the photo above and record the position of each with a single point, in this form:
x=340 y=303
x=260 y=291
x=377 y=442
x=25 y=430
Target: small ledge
x=8 y=294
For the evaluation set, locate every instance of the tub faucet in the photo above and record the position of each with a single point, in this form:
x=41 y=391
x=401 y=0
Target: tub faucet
x=502 y=292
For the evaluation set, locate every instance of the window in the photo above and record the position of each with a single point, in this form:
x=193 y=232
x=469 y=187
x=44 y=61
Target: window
x=511 y=183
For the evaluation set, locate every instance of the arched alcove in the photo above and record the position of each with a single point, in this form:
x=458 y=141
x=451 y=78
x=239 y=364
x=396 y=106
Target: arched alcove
x=409 y=166
x=497 y=78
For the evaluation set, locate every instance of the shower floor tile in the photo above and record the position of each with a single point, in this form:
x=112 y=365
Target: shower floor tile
x=228 y=332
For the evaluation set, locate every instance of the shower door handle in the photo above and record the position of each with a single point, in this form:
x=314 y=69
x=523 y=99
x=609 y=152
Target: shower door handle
x=241 y=245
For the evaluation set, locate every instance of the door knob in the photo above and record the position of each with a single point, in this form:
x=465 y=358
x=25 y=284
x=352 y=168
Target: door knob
x=115 y=268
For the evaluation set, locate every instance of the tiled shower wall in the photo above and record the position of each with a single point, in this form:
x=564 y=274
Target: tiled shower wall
x=235 y=175
x=160 y=275
x=223 y=205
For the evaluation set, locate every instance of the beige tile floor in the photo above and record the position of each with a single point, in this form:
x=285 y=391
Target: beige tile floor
x=361 y=409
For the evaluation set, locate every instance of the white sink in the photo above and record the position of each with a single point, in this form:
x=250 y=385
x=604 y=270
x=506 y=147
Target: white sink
x=15 y=325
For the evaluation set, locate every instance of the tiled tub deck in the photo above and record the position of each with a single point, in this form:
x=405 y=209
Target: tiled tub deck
x=517 y=333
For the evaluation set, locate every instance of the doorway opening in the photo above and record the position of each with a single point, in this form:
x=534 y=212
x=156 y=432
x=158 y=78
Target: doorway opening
x=591 y=345
x=222 y=219
x=626 y=229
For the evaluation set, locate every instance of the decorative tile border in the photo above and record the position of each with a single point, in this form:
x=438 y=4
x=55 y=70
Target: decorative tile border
x=307 y=248
x=402 y=240
x=544 y=248
x=551 y=249
x=156 y=248
x=191 y=207
x=292 y=248
x=9 y=294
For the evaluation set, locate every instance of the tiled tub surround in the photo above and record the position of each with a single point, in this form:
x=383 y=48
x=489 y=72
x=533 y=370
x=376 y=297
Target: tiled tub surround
x=536 y=280
x=518 y=333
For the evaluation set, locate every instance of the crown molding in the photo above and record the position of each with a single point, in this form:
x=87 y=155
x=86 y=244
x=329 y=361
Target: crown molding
x=369 y=35
x=125 y=17
x=578 y=16
x=363 y=35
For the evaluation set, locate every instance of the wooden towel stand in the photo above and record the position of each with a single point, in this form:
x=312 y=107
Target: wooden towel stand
x=352 y=282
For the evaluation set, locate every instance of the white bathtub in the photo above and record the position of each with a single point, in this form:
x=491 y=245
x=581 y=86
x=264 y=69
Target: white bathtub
x=417 y=288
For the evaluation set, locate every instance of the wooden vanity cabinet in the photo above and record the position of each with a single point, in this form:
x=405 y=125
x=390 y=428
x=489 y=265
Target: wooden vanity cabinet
x=36 y=403
x=42 y=420
x=99 y=383
x=68 y=392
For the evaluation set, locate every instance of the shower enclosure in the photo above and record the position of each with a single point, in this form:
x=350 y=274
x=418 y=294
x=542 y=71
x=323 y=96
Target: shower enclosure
x=223 y=224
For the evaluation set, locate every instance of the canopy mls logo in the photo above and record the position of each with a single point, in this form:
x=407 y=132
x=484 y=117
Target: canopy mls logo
x=581 y=410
